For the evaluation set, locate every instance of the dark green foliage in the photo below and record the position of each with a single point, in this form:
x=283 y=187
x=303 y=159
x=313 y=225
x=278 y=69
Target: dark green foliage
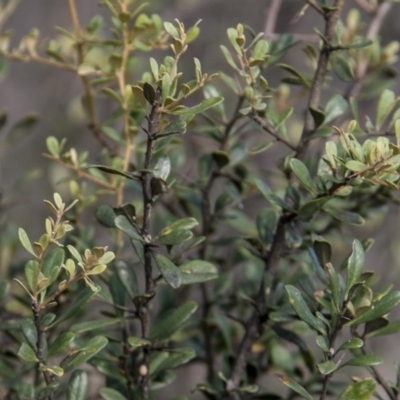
x=232 y=266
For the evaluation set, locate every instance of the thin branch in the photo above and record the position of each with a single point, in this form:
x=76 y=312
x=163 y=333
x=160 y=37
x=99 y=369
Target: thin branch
x=40 y=343
x=80 y=47
x=272 y=17
x=380 y=379
x=41 y=60
x=254 y=324
x=316 y=7
x=320 y=74
x=143 y=310
x=268 y=128
x=7 y=11
x=366 y=6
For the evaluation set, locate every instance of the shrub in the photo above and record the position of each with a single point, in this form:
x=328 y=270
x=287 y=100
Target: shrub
x=213 y=255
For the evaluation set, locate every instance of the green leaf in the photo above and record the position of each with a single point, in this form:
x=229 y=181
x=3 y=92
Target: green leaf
x=307 y=210
x=112 y=134
x=299 y=77
x=387 y=101
x=342 y=68
x=197 y=271
x=260 y=148
x=61 y=344
x=26 y=353
x=172 y=359
x=176 y=236
x=184 y=223
x=302 y=174
x=90 y=349
x=79 y=301
x=31 y=273
x=392 y=328
x=171 y=30
x=361 y=390
x=353 y=343
x=327 y=367
x=229 y=60
x=300 y=307
x=271 y=197
x=122 y=223
x=149 y=93
x=318 y=116
x=377 y=309
x=356 y=166
x=53 y=146
x=24 y=239
x=112 y=94
x=78 y=385
x=359 y=43
x=335 y=107
x=293 y=385
x=203 y=106
x=113 y=171
x=53 y=369
x=92 y=325
x=355 y=265
x=127 y=276
x=346 y=216
x=3 y=118
x=21 y=128
x=171 y=321
x=335 y=286
x=138 y=341
x=53 y=261
x=221 y=158
x=267 y=221
x=111 y=394
x=174 y=127
x=363 y=361
x=162 y=167
x=29 y=331
x=105 y=215
x=168 y=270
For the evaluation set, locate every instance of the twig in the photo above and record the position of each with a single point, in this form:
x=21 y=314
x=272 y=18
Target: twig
x=320 y=74
x=268 y=128
x=364 y=4
x=40 y=341
x=381 y=380
x=143 y=311
x=40 y=60
x=80 y=47
x=207 y=218
x=7 y=11
x=272 y=259
x=253 y=325
x=272 y=17
x=316 y=7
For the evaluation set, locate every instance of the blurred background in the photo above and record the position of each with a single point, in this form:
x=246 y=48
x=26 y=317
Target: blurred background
x=55 y=96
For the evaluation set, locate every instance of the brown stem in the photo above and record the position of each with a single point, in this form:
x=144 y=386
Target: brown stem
x=380 y=379
x=207 y=218
x=143 y=311
x=253 y=325
x=37 y=319
x=268 y=128
x=320 y=74
x=272 y=17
